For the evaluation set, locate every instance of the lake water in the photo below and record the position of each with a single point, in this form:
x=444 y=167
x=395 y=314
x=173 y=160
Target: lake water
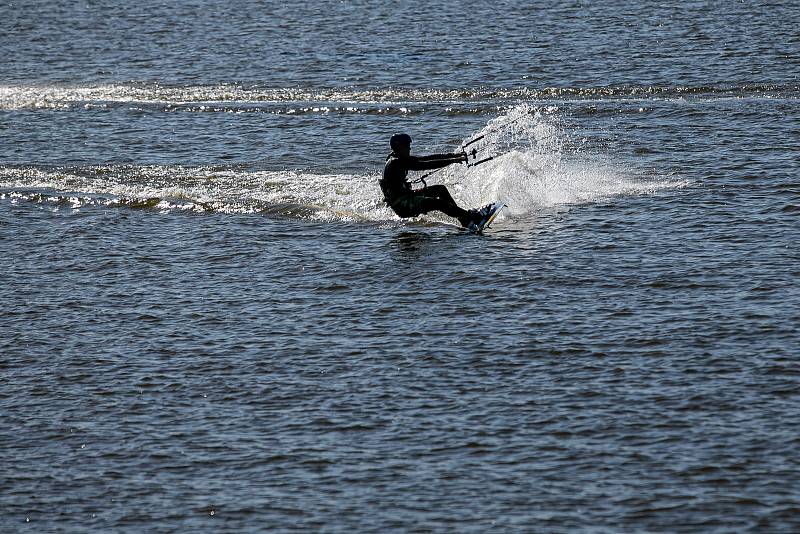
x=209 y=321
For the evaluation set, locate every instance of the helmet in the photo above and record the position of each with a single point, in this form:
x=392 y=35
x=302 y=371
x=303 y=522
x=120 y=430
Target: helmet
x=398 y=140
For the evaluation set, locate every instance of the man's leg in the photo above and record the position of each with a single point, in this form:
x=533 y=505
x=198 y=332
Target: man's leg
x=440 y=192
x=437 y=197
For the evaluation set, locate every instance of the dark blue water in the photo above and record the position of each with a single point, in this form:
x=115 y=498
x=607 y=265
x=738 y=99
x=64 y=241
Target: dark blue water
x=209 y=321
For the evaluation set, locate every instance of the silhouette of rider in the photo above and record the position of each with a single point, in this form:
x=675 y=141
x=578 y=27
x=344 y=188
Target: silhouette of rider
x=407 y=202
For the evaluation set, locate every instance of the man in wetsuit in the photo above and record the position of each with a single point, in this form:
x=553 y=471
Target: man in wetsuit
x=405 y=201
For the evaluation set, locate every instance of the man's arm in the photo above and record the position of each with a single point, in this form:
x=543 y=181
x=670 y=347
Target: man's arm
x=457 y=156
x=435 y=161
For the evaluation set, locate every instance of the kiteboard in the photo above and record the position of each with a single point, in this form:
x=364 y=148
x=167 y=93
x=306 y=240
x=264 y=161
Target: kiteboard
x=489 y=213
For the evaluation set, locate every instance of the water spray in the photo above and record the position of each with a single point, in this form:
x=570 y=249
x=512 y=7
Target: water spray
x=473 y=152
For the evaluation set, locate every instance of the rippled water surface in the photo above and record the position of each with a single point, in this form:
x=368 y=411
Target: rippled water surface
x=210 y=322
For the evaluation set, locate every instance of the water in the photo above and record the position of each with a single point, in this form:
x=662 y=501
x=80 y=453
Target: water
x=210 y=322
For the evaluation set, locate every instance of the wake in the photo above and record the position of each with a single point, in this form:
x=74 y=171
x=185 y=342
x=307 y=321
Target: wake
x=532 y=170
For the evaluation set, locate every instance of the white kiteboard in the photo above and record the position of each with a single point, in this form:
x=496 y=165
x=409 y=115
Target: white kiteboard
x=492 y=210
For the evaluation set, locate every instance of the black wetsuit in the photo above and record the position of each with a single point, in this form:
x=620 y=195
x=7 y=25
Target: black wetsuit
x=409 y=203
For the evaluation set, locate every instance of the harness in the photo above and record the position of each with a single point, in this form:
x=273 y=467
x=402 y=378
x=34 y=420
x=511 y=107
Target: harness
x=398 y=196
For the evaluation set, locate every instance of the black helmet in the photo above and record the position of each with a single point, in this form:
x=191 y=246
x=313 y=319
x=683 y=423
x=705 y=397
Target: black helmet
x=398 y=140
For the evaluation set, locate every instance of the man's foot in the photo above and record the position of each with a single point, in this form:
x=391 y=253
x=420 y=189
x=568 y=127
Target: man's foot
x=472 y=217
x=485 y=210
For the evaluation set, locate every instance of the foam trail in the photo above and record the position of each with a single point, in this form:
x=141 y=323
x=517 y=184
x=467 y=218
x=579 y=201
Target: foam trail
x=64 y=96
x=289 y=193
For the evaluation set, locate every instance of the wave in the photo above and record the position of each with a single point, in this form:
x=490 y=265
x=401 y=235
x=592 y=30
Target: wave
x=199 y=189
x=527 y=183
x=231 y=97
x=529 y=165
